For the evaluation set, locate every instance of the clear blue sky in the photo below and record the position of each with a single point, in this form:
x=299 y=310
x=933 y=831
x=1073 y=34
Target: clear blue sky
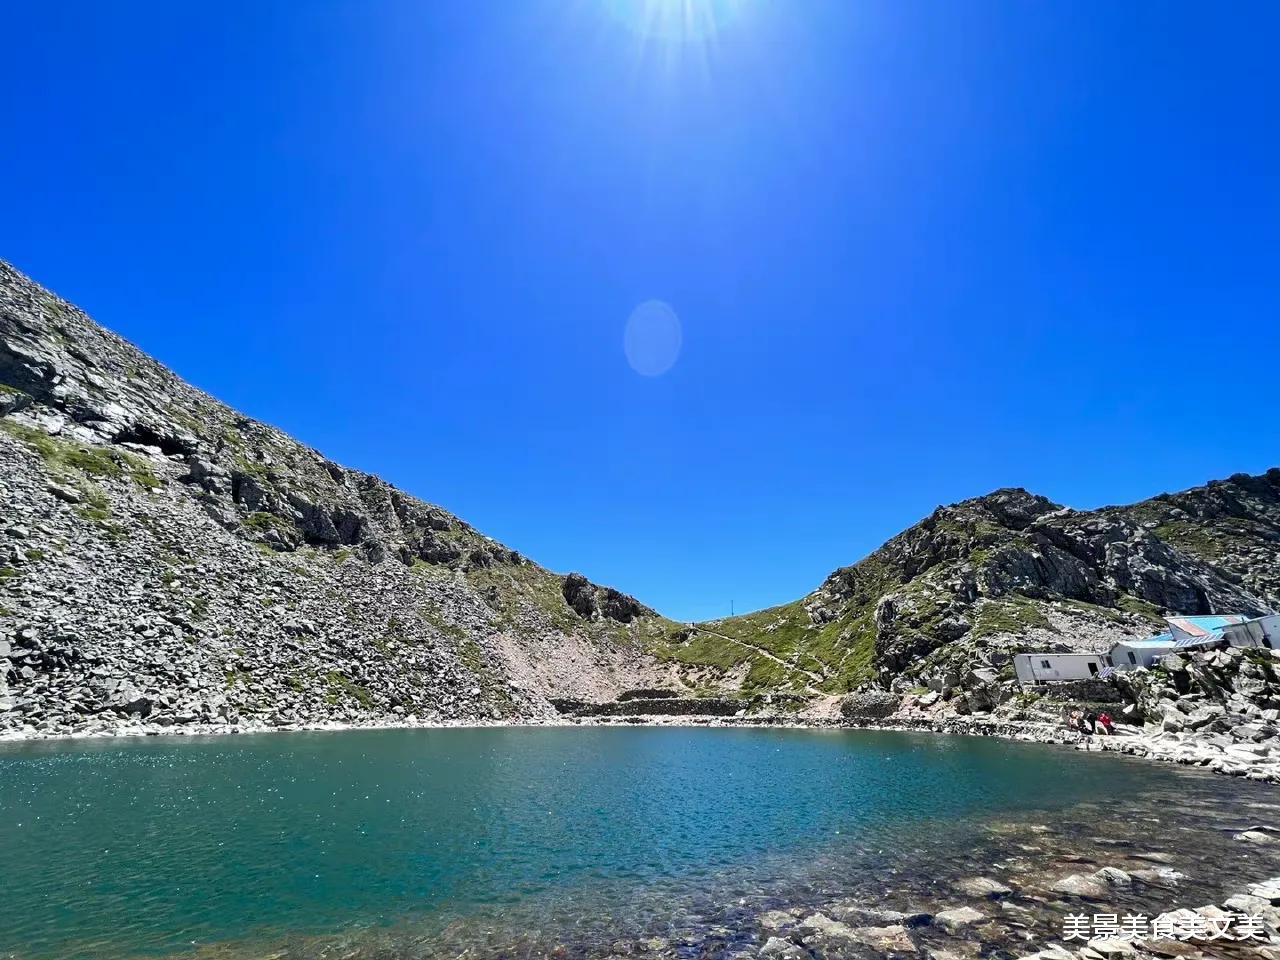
x=917 y=251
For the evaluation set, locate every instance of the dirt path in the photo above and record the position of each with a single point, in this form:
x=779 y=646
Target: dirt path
x=814 y=677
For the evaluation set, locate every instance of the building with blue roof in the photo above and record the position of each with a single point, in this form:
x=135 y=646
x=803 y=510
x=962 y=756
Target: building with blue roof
x=1184 y=634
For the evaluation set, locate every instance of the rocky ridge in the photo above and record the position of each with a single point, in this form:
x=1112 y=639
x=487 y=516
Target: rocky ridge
x=978 y=581
x=167 y=563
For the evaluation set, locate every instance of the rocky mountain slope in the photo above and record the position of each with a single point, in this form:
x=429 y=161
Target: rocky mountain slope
x=975 y=582
x=167 y=561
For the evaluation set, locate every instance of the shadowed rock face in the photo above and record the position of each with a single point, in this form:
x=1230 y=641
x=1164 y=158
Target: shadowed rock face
x=269 y=583
x=592 y=602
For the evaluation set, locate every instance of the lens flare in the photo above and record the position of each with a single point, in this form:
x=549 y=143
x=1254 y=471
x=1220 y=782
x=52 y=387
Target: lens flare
x=652 y=339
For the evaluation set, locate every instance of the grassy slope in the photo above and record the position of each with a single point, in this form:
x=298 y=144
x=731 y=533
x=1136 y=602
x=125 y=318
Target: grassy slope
x=798 y=654
x=837 y=655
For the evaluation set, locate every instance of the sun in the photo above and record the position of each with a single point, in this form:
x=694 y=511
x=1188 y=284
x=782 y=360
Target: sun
x=676 y=21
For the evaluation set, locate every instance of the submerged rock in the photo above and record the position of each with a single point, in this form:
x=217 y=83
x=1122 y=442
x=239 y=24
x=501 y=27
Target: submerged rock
x=1079 y=885
x=1257 y=836
x=983 y=887
x=775 y=948
x=891 y=939
x=958 y=917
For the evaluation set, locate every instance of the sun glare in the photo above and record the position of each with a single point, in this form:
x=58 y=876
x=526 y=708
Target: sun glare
x=676 y=21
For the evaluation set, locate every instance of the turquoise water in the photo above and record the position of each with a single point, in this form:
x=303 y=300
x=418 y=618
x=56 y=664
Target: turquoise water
x=143 y=847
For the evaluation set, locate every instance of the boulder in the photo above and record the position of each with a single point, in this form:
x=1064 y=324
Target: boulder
x=983 y=887
x=1113 y=876
x=1257 y=837
x=957 y=917
x=856 y=913
x=1268 y=890
x=1080 y=885
x=1113 y=948
x=775 y=948
x=869 y=705
x=890 y=939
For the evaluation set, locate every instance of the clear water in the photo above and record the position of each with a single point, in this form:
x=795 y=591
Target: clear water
x=143 y=847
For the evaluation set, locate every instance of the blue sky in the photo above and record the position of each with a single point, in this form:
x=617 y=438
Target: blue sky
x=917 y=251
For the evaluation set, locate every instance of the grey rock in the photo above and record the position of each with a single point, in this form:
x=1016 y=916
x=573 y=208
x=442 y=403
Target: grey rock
x=1113 y=876
x=1246 y=903
x=1267 y=890
x=64 y=493
x=1079 y=885
x=958 y=917
x=775 y=948
x=868 y=705
x=1257 y=837
x=888 y=939
x=983 y=887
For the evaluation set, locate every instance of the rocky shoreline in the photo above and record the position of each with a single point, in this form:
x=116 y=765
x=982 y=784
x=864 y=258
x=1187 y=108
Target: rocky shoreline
x=1252 y=761
x=1183 y=748
x=1245 y=925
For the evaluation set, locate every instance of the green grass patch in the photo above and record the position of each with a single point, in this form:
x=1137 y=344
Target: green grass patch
x=831 y=657
x=508 y=586
x=1142 y=608
x=435 y=616
x=63 y=456
x=1012 y=614
x=339 y=685
x=1227 y=535
x=262 y=521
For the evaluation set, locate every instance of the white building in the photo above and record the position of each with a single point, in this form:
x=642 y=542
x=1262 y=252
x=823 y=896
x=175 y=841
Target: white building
x=1132 y=654
x=1035 y=668
x=1260 y=632
x=1185 y=633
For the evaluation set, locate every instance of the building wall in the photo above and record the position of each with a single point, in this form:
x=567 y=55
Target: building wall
x=1262 y=632
x=1145 y=655
x=1030 y=667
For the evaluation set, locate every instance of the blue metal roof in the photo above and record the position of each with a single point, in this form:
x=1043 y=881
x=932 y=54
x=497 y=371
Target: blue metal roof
x=1163 y=640
x=1211 y=622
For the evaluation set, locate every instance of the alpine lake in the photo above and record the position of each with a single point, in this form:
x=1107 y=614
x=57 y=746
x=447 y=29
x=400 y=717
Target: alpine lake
x=585 y=842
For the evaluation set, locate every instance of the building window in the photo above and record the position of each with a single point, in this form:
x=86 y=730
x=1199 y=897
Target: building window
x=1132 y=657
x=1044 y=664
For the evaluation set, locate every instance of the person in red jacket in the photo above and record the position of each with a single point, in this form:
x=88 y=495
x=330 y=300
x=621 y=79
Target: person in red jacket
x=1106 y=723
